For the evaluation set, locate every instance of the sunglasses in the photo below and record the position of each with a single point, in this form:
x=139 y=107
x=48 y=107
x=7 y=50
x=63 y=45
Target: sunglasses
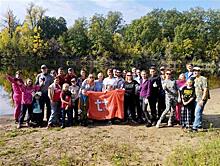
x=129 y=75
x=168 y=73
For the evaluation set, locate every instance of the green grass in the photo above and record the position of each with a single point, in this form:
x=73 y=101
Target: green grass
x=207 y=153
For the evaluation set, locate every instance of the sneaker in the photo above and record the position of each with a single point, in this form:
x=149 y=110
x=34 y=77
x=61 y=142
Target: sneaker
x=157 y=125
x=28 y=124
x=148 y=125
x=18 y=126
x=49 y=126
x=170 y=124
x=133 y=121
x=194 y=130
x=109 y=123
x=62 y=127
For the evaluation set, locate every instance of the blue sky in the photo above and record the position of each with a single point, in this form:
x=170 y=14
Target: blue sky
x=73 y=9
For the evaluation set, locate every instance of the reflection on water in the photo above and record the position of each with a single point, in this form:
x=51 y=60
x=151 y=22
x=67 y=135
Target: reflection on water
x=5 y=105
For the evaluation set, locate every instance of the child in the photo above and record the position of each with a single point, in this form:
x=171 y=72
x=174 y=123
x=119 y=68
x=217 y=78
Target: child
x=37 y=109
x=28 y=91
x=74 y=89
x=66 y=105
x=83 y=107
x=188 y=98
x=171 y=93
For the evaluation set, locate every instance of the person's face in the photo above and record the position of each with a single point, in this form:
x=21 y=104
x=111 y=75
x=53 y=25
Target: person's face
x=53 y=73
x=91 y=77
x=114 y=71
x=182 y=77
x=18 y=75
x=37 y=97
x=66 y=88
x=60 y=72
x=129 y=76
x=109 y=72
x=138 y=72
x=29 y=82
x=168 y=74
x=189 y=67
x=83 y=73
x=143 y=75
x=100 y=76
x=73 y=81
x=44 y=70
x=133 y=70
x=189 y=83
x=162 y=71
x=118 y=73
x=152 y=72
x=56 y=81
x=196 y=73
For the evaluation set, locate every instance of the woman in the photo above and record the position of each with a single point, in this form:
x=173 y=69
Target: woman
x=144 y=94
x=129 y=99
x=181 y=82
x=88 y=84
x=17 y=93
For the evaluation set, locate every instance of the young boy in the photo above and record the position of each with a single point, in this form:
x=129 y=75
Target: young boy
x=66 y=105
x=188 y=98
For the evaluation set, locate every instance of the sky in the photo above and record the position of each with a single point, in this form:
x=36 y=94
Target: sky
x=74 y=9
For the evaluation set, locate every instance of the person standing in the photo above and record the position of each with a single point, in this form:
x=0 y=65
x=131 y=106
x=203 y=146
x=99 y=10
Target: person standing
x=189 y=72
x=108 y=82
x=171 y=93
x=70 y=75
x=154 y=88
x=144 y=93
x=202 y=95
x=99 y=83
x=16 y=93
x=44 y=79
x=54 y=91
x=82 y=77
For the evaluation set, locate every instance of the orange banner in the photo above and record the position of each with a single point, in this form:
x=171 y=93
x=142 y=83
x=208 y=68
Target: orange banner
x=106 y=105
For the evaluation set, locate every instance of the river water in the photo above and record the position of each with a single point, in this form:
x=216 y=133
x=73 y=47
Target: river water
x=5 y=105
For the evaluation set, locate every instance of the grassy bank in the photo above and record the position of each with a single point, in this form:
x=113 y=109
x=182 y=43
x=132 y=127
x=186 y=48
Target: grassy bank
x=207 y=153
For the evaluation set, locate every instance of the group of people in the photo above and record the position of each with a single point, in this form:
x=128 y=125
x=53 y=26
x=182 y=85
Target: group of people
x=66 y=94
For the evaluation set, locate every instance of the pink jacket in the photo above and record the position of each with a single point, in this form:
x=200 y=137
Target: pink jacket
x=17 y=94
x=27 y=93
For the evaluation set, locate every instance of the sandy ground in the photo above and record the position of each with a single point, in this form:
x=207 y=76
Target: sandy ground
x=99 y=145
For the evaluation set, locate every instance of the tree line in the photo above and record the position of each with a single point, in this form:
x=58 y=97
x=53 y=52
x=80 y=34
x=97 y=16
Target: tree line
x=159 y=37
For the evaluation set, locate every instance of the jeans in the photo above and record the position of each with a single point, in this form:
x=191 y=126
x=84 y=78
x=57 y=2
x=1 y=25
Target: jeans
x=54 y=117
x=46 y=100
x=24 y=109
x=198 y=115
x=69 y=113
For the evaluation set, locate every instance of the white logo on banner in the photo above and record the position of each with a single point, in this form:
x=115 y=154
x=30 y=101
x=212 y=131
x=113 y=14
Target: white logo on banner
x=99 y=102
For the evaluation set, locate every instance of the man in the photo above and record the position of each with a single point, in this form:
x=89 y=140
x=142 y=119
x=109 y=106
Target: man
x=189 y=73
x=161 y=98
x=154 y=88
x=138 y=75
x=61 y=76
x=108 y=82
x=81 y=78
x=70 y=75
x=44 y=79
x=202 y=95
x=133 y=70
x=119 y=81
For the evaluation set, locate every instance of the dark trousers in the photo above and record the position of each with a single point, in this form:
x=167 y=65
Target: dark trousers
x=76 y=114
x=161 y=105
x=24 y=108
x=38 y=118
x=138 y=107
x=145 y=111
x=46 y=100
x=152 y=103
x=69 y=113
x=129 y=108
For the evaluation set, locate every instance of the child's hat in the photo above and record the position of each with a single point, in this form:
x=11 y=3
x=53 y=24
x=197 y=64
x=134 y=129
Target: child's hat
x=38 y=94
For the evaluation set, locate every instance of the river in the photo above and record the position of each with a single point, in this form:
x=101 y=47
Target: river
x=5 y=105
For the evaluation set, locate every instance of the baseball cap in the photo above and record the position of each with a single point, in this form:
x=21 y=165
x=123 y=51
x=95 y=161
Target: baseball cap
x=197 y=68
x=43 y=66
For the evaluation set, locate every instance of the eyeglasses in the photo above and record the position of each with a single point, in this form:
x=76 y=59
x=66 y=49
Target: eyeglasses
x=129 y=75
x=168 y=73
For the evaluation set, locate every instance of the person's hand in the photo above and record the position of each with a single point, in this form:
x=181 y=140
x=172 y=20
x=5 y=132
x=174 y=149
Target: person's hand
x=145 y=101
x=201 y=103
x=185 y=103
